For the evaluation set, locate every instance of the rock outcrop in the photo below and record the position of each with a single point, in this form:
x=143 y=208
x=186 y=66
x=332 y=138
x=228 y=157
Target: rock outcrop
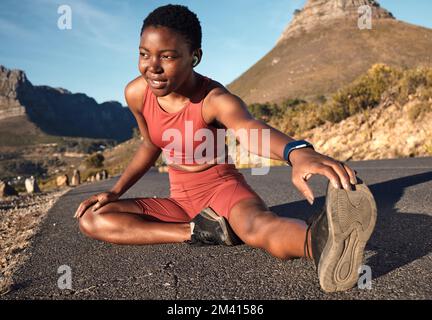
x=323 y=12
x=10 y=82
x=31 y=185
x=62 y=181
x=76 y=178
x=57 y=111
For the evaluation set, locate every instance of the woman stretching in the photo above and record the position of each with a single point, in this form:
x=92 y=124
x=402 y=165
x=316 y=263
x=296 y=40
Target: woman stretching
x=210 y=202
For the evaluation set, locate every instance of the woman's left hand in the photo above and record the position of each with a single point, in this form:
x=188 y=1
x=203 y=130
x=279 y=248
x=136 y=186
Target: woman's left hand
x=306 y=162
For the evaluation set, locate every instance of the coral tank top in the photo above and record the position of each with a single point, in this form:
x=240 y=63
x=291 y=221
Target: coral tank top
x=184 y=137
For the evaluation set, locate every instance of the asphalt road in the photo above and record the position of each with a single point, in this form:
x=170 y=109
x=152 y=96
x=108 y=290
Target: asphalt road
x=399 y=252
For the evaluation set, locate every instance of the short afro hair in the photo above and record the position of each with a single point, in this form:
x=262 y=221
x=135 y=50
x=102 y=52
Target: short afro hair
x=178 y=18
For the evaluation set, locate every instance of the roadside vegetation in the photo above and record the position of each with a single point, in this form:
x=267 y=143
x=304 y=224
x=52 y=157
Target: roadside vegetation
x=381 y=83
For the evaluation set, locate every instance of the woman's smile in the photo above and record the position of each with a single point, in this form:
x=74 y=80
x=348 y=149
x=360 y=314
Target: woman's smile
x=157 y=84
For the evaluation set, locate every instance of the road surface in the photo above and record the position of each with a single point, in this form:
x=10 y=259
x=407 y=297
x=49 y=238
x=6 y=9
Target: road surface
x=399 y=252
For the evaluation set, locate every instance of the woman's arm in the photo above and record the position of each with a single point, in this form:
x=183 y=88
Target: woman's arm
x=232 y=112
x=147 y=153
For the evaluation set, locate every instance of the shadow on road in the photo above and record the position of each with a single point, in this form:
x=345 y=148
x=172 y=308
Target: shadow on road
x=399 y=237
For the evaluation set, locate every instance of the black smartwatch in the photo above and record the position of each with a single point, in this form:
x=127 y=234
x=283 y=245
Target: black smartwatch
x=298 y=144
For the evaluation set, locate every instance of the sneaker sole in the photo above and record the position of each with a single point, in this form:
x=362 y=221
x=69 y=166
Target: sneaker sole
x=230 y=238
x=351 y=219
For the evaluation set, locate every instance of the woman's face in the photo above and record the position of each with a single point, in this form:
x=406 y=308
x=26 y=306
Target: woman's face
x=165 y=59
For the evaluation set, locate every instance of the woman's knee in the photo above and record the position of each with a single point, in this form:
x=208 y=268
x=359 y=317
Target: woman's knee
x=87 y=223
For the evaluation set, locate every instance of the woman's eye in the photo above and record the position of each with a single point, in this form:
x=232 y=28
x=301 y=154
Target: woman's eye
x=168 y=57
x=143 y=54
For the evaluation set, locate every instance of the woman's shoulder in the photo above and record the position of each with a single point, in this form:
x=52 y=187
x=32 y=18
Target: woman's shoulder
x=217 y=93
x=215 y=89
x=134 y=93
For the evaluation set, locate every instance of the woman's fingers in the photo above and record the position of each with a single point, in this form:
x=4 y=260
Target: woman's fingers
x=340 y=170
x=351 y=172
x=97 y=201
x=78 y=211
x=97 y=205
x=84 y=206
x=101 y=201
x=301 y=184
x=331 y=174
x=339 y=174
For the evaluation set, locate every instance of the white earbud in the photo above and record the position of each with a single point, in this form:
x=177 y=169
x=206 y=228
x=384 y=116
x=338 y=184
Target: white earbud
x=195 y=61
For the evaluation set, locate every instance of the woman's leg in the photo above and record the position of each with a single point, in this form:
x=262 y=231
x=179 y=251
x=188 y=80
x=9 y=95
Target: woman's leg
x=259 y=227
x=123 y=222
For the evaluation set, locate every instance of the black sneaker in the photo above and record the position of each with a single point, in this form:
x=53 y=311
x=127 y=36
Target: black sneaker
x=339 y=234
x=212 y=229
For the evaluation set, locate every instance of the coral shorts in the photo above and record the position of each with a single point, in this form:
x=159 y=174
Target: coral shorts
x=219 y=187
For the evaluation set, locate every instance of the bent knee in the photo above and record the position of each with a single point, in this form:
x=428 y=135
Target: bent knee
x=87 y=223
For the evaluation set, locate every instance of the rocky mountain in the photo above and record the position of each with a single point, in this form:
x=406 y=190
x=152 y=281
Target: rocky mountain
x=323 y=48
x=57 y=111
x=321 y=12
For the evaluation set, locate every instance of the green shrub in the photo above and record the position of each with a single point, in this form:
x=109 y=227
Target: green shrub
x=266 y=111
x=425 y=93
x=295 y=116
x=365 y=92
x=24 y=167
x=413 y=82
x=289 y=103
x=301 y=118
x=333 y=112
x=418 y=110
x=95 y=160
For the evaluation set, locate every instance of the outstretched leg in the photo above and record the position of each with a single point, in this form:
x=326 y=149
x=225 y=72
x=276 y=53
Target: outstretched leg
x=259 y=227
x=122 y=222
x=337 y=237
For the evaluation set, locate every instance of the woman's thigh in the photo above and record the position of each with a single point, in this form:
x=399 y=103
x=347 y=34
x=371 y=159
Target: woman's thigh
x=154 y=209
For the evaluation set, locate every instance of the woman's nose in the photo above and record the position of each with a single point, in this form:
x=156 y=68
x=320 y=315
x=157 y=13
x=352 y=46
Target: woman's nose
x=154 y=65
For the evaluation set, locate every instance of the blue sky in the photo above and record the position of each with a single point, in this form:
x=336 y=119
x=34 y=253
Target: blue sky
x=99 y=55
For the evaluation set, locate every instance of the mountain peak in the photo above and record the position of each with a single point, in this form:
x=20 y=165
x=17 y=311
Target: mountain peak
x=320 y=12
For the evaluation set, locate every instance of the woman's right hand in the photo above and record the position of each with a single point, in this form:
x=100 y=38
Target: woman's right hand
x=98 y=200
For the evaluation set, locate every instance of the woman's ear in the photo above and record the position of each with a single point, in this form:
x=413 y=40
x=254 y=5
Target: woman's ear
x=197 y=57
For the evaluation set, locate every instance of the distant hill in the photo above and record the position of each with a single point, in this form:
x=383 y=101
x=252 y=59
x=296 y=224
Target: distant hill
x=323 y=49
x=45 y=131
x=58 y=112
